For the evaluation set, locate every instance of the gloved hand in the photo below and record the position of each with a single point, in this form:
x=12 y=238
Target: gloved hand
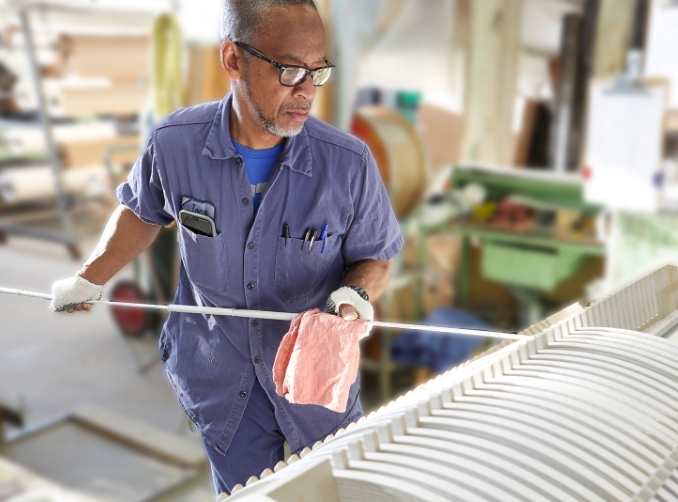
x=347 y=303
x=67 y=294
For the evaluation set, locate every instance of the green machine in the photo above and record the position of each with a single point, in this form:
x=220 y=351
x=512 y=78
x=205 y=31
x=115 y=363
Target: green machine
x=535 y=260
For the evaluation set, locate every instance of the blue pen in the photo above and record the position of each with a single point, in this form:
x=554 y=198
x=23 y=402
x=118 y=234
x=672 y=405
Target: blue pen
x=323 y=237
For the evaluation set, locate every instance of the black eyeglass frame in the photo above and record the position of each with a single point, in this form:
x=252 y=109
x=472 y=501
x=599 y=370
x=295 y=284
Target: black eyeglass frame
x=283 y=67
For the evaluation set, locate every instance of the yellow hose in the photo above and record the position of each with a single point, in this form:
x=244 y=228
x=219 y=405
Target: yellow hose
x=167 y=67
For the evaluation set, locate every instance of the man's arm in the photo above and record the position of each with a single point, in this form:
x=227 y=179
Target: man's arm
x=372 y=276
x=124 y=238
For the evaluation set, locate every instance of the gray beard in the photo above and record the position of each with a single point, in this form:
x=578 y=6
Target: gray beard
x=270 y=126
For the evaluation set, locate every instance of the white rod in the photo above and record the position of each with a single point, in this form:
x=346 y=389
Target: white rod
x=448 y=330
x=25 y=293
x=275 y=316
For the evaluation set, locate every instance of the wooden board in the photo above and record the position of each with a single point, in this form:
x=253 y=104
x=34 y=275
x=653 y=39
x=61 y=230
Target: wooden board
x=118 y=100
x=207 y=80
x=492 y=68
x=90 y=153
x=164 y=445
x=613 y=33
x=122 y=59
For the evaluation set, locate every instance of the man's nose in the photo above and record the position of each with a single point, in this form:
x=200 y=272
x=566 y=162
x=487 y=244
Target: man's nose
x=305 y=90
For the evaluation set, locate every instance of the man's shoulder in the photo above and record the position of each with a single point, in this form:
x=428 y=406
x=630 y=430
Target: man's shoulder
x=320 y=131
x=191 y=116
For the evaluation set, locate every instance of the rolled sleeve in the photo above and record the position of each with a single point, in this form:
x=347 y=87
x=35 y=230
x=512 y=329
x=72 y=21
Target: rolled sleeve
x=374 y=233
x=143 y=191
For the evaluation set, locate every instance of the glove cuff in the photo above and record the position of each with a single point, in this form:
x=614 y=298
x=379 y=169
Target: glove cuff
x=69 y=293
x=348 y=296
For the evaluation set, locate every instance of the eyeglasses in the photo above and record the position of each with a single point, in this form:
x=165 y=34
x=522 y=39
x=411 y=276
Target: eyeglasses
x=292 y=76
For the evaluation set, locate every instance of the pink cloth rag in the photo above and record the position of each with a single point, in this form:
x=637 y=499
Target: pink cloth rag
x=318 y=360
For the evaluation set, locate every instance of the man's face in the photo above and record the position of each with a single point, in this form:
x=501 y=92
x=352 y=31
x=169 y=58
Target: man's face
x=293 y=36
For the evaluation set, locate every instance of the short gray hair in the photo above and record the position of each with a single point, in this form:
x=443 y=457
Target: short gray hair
x=240 y=18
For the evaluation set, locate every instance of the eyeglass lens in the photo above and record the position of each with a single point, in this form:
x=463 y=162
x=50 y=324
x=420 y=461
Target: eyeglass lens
x=294 y=76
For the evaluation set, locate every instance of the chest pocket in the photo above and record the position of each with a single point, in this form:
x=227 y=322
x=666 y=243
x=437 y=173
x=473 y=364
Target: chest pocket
x=204 y=259
x=299 y=271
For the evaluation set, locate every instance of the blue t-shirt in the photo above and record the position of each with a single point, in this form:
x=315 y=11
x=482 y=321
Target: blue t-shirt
x=259 y=164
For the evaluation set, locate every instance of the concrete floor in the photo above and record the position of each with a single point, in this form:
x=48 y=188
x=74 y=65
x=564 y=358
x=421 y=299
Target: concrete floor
x=51 y=364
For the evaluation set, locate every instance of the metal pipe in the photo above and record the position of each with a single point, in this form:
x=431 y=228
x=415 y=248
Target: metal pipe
x=275 y=316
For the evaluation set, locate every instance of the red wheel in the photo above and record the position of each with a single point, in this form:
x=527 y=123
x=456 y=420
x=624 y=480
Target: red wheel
x=131 y=321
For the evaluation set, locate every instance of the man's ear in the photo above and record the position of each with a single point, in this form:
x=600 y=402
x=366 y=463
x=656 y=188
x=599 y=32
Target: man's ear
x=230 y=59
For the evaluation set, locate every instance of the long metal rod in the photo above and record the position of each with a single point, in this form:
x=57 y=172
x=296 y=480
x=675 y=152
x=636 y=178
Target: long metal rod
x=276 y=316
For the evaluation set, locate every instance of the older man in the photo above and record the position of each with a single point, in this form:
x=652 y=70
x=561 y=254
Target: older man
x=280 y=212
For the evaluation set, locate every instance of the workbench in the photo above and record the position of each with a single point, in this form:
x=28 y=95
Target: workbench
x=537 y=260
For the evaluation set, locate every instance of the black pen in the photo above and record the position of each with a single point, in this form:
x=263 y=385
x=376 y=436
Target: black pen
x=314 y=236
x=286 y=233
x=306 y=236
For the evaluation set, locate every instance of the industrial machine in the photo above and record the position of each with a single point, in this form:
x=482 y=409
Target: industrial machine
x=584 y=408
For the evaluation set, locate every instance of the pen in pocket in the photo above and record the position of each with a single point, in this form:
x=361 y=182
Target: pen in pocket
x=323 y=237
x=286 y=233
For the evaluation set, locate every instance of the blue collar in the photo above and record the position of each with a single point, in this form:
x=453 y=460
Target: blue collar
x=296 y=153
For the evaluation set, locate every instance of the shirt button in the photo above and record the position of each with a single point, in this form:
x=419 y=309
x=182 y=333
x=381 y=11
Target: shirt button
x=238 y=160
x=250 y=245
x=254 y=324
x=243 y=393
x=246 y=202
x=250 y=286
x=257 y=359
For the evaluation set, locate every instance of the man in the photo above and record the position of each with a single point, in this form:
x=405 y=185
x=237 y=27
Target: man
x=267 y=174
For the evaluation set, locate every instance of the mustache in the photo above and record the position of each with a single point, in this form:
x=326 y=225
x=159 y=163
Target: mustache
x=304 y=106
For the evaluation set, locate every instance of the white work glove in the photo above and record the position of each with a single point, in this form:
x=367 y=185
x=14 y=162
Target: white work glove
x=69 y=293
x=348 y=296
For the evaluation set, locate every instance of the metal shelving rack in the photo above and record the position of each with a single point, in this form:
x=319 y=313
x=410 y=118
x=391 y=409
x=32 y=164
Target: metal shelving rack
x=66 y=235
x=66 y=232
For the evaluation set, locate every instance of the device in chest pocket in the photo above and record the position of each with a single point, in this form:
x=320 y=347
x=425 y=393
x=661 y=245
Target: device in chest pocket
x=199 y=223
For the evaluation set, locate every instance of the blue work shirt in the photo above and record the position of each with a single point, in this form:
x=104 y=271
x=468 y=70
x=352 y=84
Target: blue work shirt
x=323 y=176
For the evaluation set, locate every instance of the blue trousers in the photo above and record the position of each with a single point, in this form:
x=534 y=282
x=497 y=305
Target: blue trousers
x=258 y=443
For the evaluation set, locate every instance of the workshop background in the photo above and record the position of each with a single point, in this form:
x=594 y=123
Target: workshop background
x=529 y=147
